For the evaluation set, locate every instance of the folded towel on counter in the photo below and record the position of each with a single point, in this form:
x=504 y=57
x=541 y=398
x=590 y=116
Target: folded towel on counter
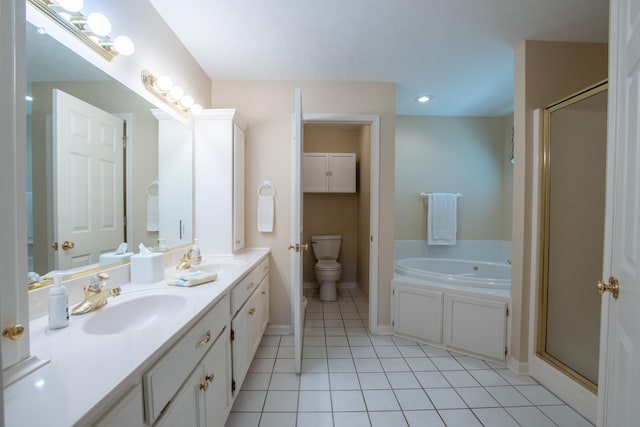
x=193 y=278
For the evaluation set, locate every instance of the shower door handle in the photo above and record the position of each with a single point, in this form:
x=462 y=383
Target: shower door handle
x=613 y=286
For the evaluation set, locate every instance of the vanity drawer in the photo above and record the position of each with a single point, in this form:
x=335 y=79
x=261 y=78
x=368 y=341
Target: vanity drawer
x=243 y=290
x=163 y=380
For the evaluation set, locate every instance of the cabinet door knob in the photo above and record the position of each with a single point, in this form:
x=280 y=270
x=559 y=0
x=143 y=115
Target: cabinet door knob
x=210 y=377
x=250 y=285
x=66 y=245
x=252 y=311
x=204 y=386
x=205 y=340
x=14 y=333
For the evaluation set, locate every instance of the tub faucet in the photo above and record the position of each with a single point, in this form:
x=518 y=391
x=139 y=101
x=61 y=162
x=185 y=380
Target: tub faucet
x=95 y=295
x=191 y=257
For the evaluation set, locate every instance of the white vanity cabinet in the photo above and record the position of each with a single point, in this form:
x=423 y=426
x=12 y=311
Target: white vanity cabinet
x=250 y=311
x=417 y=312
x=329 y=173
x=126 y=412
x=204 y=350
x=219 y=185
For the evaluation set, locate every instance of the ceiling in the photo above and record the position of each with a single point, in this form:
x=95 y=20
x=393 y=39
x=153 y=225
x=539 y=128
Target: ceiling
x=460 y=52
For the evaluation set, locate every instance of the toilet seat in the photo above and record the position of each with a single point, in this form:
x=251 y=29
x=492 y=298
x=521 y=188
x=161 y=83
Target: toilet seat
x=328 y=266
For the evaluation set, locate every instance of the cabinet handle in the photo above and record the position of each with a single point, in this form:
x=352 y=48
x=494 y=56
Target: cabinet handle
x=204 y=386
x=210 y=377
x=206 y=339
x=250 y=285
x=14 y=333
x=252 y=311
x=263 y=292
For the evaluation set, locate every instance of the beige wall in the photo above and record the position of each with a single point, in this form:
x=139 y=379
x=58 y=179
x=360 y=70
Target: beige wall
x=268 y=106
x=545 y=72
x=114 y=98
x=507 y=178
x=456 y=155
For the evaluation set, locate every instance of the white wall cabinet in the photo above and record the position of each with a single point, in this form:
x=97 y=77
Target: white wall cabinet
x=249 y=321
x=219 y=188
x=329 y=172
x=451 y=319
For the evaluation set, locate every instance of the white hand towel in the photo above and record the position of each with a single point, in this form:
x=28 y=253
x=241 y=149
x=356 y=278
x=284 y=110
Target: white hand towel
x=194 y=278
x=442 y=219
x=265 y=213
x=152 y=213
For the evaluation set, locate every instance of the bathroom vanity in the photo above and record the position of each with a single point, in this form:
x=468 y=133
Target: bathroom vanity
x=156 y=355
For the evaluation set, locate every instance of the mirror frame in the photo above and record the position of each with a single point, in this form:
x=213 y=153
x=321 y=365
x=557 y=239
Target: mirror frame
x=544 y=238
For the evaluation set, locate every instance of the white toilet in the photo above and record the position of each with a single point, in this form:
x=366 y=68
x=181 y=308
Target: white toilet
x=328 y=270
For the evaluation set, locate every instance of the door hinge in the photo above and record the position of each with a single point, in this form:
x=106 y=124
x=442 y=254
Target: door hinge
x=393 y=292
x=507 y=311
x=233 y=385
x=505 y=352
x=233 y=335
x=393 y=323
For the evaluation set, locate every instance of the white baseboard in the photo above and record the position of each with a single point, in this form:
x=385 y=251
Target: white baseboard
x=517 y=367
x=339 y=285
x=278 y=330
x=573 y=394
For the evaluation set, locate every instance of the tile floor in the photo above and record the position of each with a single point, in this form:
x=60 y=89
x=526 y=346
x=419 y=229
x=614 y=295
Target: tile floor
x=353 y=379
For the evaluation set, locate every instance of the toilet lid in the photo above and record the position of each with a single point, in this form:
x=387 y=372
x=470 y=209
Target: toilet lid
x=328 y=265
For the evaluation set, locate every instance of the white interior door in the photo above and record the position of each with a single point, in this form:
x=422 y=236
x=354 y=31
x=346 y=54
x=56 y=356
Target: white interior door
x=296 y=248
x=619 y=381
x=88 y=162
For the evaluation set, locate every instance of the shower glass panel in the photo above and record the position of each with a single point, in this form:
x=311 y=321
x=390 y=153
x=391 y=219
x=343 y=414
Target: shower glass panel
x=572 y=232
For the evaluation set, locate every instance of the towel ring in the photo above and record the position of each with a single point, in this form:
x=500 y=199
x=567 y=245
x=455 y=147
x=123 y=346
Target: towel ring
x=266 y=189
x=155 y=184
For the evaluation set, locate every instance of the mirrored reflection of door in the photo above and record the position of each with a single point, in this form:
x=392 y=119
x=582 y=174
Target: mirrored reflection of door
x=88 y=163
x=572 y=228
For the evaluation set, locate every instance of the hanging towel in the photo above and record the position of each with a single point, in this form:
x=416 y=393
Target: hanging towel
x=265 y=213
x=152 y=213
x=442 y=219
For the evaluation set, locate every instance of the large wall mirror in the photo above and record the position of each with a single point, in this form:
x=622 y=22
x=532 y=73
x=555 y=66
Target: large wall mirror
x=572 y=234
x=110 y=200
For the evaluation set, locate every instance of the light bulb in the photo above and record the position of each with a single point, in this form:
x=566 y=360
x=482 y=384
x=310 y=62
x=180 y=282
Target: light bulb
x=186 y=101
x=124 y=45
x=423 y=98
x=164 y=83
x=99 y=24
x=196 y=109
x=176 y=93
x=71 y=5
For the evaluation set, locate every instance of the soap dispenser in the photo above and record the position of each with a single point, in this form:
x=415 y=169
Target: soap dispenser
x=195 y=252
x=58 y=304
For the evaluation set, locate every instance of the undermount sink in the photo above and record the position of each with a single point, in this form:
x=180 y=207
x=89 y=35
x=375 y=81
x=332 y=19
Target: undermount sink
x=137 y=312
x=217 y=266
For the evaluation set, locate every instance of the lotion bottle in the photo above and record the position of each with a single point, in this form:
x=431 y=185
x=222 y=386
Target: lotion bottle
x=58 y=304
x=195 y=251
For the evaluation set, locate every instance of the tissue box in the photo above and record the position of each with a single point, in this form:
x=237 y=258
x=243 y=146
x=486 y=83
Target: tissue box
x=112 y=258
x=147 y=268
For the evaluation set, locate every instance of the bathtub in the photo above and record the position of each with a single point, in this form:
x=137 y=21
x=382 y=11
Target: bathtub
x=457 y=298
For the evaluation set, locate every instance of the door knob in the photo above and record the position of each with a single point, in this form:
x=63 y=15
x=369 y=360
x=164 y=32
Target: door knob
x=66 y=245
x=14 y=333
x=298 y=247
x=613 y=286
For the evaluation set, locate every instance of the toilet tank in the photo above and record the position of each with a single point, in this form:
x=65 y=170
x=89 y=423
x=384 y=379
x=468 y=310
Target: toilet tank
x=326 y=247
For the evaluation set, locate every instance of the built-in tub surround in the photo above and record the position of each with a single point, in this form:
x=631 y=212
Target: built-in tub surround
x=454 y=296
x=93 y=364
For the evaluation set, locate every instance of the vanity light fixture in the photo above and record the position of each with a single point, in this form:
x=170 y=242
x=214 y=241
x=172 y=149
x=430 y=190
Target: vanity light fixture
x=93 y=29
x=423 y=99
x=163 y=88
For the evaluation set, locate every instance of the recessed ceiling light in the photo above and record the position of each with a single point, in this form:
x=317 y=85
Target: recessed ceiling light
x=424 y=98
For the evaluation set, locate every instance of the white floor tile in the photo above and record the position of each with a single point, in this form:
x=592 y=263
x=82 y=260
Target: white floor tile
x=351 y=419
x=413 y=399
x=314 y=342
x=339 y=352
x=373 y=381
x=402 y=341
x=516 y=379
x=508 y=396
x=314 y=352
x=261 y=365
x=411 y=351
x=285 y=352
x=394 y=364
x=380 y=400
x=354 y=332
x=344 y=381
x=314 y=382
x=459 y=418
x=347 y=401
x=460 y=379
x=313 y=332
x=420 y=364
x=287 y=340
x=538 y=395
x=256 y=381
x=402 y=380
x=315 y=419
x=359 y=341
x=446 y=363
x=270 y=341
x=342 y=365
x=337 y=341
x=424 y=419
x=313 y=315
x=565 y=416
x=351 y=315
x=284 y=382
x=334 y=323
x=432 y=351
x=332 y=315
x=314 y=401
x=353 y=323
x=278 y=419
x=284 y=366
x=367 y=365
x=471 y=363
x=495 y=417
x=488 y=378
x=432 y=380
x=530 y=417
x=243 y=419
x=445 y=398
x=266 y=352
x=381 y=340
x=363 y=352
x=314 y=323
x=281 y=401
x=477 y=397
x=314 y=366
x=387 y=419
x=387 y=351
x=249 y=401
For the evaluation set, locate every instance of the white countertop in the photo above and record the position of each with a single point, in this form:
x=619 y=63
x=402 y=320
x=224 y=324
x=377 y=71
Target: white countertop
x=87 y=372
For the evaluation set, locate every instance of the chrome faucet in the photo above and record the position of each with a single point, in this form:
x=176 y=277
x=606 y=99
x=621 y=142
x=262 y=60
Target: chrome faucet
x=95 y=295
x=191 y=257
